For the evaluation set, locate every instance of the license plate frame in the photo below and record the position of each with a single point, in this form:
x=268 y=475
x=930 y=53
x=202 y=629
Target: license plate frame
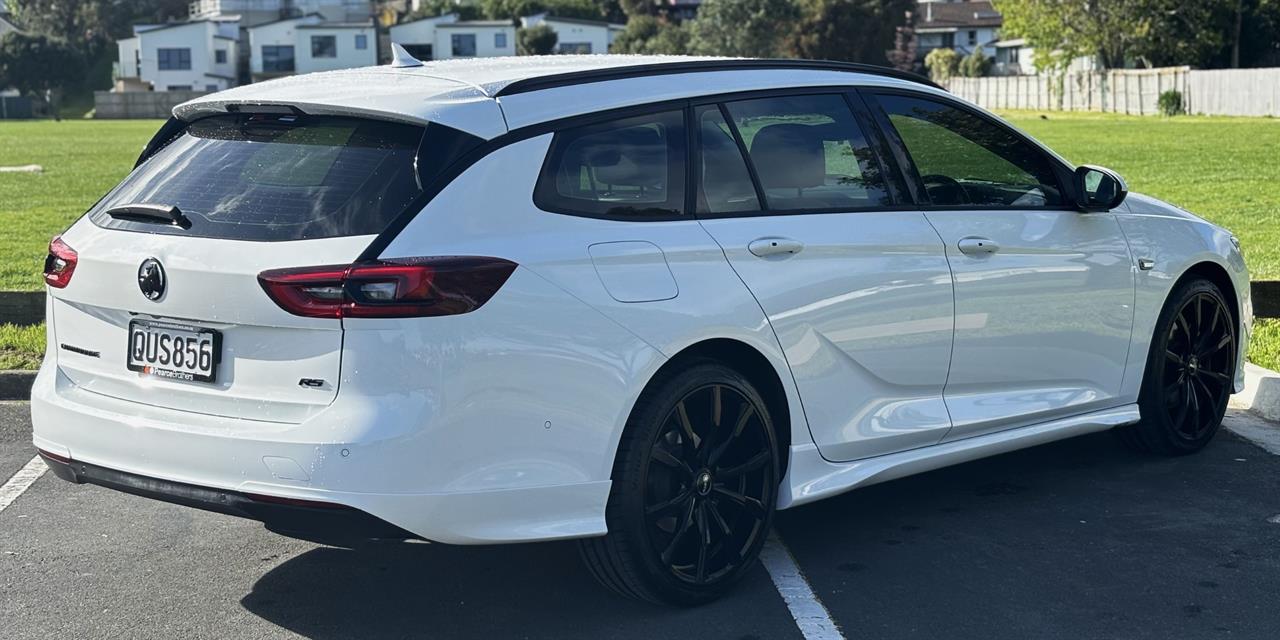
x=165 y=370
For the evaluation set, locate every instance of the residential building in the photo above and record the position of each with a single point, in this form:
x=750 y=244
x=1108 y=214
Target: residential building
x=309 y=43
x=574 y=35
x=960 y=25
x=255 y=12
x=475 y=39
x=199 y=55
x=418 y=37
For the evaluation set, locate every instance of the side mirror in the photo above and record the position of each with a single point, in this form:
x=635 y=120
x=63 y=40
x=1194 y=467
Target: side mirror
x=1099 y=189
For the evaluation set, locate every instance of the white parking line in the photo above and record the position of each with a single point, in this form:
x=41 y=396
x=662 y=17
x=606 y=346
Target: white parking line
x=21 y=480
x=811 y=616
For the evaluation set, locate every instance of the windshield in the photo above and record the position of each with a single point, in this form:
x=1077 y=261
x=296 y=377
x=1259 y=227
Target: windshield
x=273 y=178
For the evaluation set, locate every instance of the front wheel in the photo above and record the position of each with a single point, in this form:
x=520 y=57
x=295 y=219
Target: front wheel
x=694 y=489
x=1189 y=375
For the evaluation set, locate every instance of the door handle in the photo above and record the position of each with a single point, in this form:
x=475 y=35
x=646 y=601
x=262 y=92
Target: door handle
x=977 y=246
x=773 y=246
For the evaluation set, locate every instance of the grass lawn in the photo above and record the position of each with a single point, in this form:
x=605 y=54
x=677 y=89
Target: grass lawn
x=1225 y=169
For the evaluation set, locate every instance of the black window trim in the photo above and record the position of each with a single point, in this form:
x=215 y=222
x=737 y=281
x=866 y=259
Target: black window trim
x=915 y=185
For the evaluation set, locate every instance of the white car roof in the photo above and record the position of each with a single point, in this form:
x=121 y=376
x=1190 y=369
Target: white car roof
x=487 y=97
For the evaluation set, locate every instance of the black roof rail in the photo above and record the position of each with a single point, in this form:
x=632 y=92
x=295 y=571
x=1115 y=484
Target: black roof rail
x=692 y=66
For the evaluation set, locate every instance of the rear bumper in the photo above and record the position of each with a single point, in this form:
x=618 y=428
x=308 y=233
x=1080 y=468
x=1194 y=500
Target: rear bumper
x=218 y=463
x=326 y=523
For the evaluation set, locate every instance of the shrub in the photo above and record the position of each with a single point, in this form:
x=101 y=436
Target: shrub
x=538 y=40
x=1170 y=103
x=975 y=65
x=942 y=64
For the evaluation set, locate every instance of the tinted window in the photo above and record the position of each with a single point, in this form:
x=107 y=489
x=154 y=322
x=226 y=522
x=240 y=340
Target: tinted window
x=464 y=45
x=276 y=178
x=173 y=59
x=809 y=153
x=631 y=168
x=724 y=184
x=277 y=58
x=324 y=46
x=965 y=160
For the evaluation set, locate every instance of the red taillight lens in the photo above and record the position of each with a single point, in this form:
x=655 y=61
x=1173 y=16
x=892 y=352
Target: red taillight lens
x=59 y=264
x=402 y=288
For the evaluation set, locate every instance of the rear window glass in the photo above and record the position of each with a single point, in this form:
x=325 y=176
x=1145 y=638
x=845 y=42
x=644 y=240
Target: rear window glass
x=274 y=178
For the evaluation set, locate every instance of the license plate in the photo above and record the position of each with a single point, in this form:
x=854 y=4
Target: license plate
x=174 y=351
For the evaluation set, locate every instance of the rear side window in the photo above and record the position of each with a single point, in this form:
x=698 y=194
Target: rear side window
x=631 y=168
x=809 y=153
x=275 y=178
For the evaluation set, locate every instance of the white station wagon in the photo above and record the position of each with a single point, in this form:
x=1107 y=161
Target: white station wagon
x=641 y=301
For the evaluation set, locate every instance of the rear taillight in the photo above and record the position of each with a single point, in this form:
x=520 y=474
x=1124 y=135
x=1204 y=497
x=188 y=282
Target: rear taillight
x=59 y=264
x=401 y=288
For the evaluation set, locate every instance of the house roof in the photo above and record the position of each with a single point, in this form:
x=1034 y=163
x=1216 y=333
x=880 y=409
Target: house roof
x=443 y=15
x=929 y=15
x=293 y=19
x=171 y=25
x=462 y=24
x=590 y=23
x=337 y=25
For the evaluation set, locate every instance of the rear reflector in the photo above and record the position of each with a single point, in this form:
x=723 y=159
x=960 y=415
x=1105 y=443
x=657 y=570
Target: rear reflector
x=59 y=264
x=401 y=288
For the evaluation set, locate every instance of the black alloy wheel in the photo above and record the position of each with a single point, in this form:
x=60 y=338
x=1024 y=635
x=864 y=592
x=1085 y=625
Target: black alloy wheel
x=1190 y=372
x=694 y=490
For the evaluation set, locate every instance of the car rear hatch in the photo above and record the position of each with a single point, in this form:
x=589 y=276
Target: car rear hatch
x=156 y=295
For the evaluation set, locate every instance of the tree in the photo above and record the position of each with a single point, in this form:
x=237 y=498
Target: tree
x=903 y=54
x=516 y=9
x=745 y=28
x=852 y=30
x=433 y=8
x=943 y=64
x=538 y=40
x=976 y=64
x=649 y=35
x=638 y=7
x=39 y=66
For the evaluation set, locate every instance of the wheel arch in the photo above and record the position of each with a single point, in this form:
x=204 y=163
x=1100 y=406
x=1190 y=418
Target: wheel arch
x=1218 y=275
x=750 y=362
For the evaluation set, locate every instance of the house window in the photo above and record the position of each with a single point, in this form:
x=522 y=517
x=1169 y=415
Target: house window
x=211 y=87
x=574 y=47
x=362 y=41
x=324 y=46
x=174 y=59
x=500 y=40
x=464 y=45
x=973 y=38
x=277 y=58
x=220 y=56
x=949 y=40
x=179 y=87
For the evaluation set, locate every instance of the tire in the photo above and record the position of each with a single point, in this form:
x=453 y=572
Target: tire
x=686 y=522
x=1189 y=373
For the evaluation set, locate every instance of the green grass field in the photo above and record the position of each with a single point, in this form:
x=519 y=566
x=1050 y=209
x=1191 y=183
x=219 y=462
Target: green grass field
x=1225 y=169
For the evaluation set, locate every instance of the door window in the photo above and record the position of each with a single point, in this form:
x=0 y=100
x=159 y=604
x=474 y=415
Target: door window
x=629 y=168
x=965 y=160
x=724 y=184
x=809 y=153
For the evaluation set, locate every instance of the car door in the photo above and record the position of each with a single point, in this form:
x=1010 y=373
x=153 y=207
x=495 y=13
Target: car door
x=1043 y=292
x=858 y=294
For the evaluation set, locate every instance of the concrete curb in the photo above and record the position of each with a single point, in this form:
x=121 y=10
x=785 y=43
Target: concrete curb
x=1261 y=393
x=16 y=385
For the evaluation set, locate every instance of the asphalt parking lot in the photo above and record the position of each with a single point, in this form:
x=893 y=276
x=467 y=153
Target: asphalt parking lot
x=1077 y=539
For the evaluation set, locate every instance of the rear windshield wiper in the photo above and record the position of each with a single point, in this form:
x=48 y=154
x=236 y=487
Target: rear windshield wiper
x=153 y=213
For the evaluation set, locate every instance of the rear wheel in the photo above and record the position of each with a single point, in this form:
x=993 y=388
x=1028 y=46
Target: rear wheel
x=1189 y=375
x=694 y=489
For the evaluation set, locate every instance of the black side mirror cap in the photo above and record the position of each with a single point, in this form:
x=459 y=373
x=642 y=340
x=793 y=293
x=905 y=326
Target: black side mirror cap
x=1099 y=188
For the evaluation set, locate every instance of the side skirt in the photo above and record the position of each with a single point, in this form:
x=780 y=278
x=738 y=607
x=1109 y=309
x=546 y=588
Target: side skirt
x=810 y=477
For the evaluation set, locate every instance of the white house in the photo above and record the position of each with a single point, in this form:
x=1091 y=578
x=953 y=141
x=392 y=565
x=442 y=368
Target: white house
x=574 y=35
x=255 y=12
x=309 y=43
x=475 y=39
x=418 y=37
x=960 y=25
x=186 y=56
